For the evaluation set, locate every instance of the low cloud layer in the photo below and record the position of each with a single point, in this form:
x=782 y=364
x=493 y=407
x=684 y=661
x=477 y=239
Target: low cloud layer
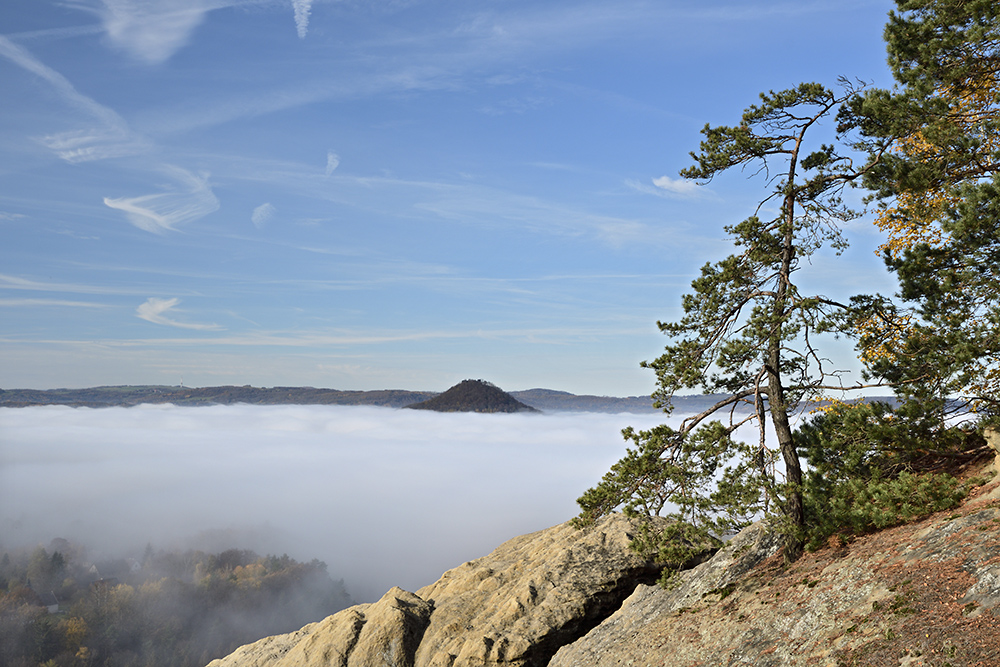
x=385 y=497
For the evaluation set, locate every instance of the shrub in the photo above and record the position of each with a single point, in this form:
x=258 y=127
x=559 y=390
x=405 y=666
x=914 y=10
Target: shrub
x=869 y=468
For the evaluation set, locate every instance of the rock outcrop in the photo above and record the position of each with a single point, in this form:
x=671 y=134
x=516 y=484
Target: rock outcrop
x=515 y=607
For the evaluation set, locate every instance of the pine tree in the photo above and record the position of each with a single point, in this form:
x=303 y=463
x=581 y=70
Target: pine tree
x=937 y=187
x=747 y=332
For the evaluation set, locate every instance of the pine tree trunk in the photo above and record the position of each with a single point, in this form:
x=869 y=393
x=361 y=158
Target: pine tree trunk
x=794 y=509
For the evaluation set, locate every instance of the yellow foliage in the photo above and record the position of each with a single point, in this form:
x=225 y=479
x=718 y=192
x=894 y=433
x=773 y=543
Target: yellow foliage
x=882 y=336
x=249 y=576
x=151 y=588
x=825 y=405
x=74 y=631
x=915 y=217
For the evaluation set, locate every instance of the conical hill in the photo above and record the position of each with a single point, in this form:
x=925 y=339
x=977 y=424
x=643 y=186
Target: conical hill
x=473 y=396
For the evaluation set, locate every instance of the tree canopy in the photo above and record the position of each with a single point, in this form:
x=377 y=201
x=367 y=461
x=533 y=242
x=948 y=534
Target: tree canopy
x=936 y=188
x=928 y=152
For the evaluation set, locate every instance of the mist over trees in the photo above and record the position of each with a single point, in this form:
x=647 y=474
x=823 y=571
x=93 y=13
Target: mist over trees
x=171 y=608
x=927 y=152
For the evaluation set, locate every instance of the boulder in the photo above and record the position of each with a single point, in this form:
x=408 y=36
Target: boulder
x=366 y=635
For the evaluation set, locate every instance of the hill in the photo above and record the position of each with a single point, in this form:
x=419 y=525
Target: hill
x=473 y=396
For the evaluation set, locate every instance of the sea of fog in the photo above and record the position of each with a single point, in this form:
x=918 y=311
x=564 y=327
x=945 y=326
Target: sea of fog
x=385 y=497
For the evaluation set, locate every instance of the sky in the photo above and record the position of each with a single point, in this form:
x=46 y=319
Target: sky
x=382 y=194
x=384 y=497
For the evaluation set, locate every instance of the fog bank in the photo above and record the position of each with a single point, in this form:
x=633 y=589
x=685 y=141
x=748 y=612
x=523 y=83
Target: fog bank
x=385 y=497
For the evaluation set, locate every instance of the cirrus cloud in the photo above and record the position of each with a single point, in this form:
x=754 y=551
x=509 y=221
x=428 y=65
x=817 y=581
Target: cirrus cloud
x=153 y=311
x=332 y=162
x=104 y=134
x=262 y=215
x=164 y=211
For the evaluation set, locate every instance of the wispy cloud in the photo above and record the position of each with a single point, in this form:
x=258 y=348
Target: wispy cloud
x=488 y=206
x=153 y=30
x=332 y=162
x=16 y=283
x=110 y=137
x=515 y=105
x=462 y=201
x=262 y=215
x=153 y=311
x=302 y=11
x=8 y=303
x=677 y=186
x=664 y=186
x=157 y=213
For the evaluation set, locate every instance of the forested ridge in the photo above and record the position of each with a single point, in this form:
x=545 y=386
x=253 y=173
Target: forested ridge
x=164 y=608
x=130 y=395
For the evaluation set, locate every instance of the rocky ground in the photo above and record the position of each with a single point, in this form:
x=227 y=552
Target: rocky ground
x=927 y=593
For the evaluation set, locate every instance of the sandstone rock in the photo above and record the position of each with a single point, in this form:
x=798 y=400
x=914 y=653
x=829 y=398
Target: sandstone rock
x=514 y=608
x=992 y=436
x=742 y=553
x=367 y=635
x=265 y=652
x=531 y=595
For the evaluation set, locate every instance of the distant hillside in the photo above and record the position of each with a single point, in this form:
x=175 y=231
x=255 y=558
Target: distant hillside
x=546 y=400
x=561 y=401
x=97 y=397
x=473 y=396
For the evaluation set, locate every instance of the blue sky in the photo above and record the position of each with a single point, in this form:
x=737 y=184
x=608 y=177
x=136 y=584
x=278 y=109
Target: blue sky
x=395 y=194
